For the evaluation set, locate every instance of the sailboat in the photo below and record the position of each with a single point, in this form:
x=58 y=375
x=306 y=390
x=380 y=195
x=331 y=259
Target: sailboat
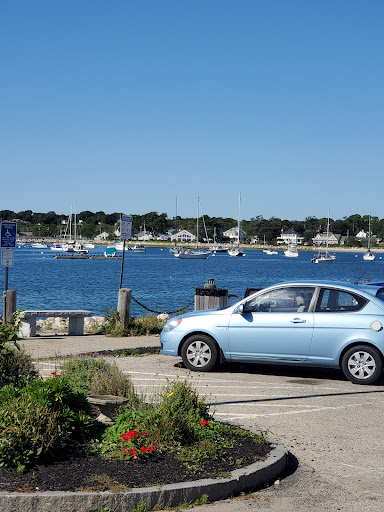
x=193 y=254
x=236 y=251
x=291 y=251
x=369 y=255
x=324 y=256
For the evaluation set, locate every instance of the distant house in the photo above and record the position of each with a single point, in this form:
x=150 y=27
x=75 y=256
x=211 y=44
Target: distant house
x=255 y=240
x=290 y=237
x=362 y=235
x=183 y=236
x=102 y=236
x=333 y=239
x=232 y=234
x=144 y=236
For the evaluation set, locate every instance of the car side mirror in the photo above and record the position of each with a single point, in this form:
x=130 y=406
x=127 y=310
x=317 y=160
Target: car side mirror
x=244 y=308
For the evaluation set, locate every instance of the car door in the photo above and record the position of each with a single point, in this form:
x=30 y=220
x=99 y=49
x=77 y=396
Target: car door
x=273 y=325
x=338 y=320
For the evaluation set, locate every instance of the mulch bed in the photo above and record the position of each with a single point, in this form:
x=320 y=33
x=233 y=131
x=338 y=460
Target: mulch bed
x=80 y=470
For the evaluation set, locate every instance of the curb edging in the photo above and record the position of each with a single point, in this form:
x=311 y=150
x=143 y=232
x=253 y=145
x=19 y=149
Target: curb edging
x=249 y=478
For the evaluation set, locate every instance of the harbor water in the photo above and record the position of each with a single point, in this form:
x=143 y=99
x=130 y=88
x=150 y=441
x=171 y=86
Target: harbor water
x=161 y=282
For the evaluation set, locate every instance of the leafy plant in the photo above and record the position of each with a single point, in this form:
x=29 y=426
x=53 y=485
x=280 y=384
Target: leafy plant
x=137 y=326
x=40 y=419
x=112 y=325
x=16 y=366
x=98 y=377
x=8 y=331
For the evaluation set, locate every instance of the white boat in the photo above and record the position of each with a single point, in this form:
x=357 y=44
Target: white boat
x=236 y=251
x=119 y=246
x=89 y=245
x=324 y=256
x=62 y=247
x=269 y=251
x=219 y=249
x=292 y=251
x=38 y=245
x=193 y=254
x=369 y=255
x=138 y=248
x=79 y=248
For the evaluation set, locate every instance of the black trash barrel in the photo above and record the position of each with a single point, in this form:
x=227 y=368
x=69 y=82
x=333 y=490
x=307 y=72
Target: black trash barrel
x=211 y=297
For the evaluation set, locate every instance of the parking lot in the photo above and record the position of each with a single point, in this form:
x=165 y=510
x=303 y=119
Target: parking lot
x=332 y=428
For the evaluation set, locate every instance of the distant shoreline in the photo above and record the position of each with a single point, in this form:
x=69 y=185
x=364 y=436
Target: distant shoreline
x=282 y=247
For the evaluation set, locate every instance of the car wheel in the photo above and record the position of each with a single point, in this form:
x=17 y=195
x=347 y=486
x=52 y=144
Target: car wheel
x=362 y=364
x=200 y=353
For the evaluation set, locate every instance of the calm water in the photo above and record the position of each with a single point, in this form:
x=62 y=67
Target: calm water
x=159 y=280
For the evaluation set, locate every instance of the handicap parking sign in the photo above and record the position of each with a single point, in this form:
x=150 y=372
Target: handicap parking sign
x=8 y=234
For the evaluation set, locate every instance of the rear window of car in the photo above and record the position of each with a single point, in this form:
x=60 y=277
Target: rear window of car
x=380 y=294
x=333 y=300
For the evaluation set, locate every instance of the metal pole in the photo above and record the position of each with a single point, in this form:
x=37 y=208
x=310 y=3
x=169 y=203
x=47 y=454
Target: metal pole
x=5 y=297
x=122 y=266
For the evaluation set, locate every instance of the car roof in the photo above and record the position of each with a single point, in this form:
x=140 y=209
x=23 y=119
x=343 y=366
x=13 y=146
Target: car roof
x=371 y=289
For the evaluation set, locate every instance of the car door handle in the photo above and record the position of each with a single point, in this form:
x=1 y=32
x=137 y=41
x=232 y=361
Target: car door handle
x=298 y=321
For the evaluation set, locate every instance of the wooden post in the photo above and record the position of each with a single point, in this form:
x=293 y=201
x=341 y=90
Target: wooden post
x=124 y=306
x=9 y=305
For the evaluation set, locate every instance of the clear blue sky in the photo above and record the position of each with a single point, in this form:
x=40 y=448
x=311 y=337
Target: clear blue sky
x=123 y=105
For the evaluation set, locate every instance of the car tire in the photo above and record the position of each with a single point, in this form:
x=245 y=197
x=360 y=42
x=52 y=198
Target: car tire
x=362 y=364
x=200 y=353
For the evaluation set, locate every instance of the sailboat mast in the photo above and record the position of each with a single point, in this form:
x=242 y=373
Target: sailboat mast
x=238 y=223
x=197 y=224
x=327 y=232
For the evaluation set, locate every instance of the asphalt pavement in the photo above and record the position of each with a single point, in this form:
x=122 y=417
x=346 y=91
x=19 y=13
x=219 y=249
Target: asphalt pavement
x=332 y=428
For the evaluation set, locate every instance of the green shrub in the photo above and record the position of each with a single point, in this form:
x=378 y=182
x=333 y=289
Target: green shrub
x=81 y=370
x=109 y=380
x=40 y=419
x=175 y=421
x=15 y=367
x=98 y=377
x=145 y=325
x=139 y=326
x=112 y=325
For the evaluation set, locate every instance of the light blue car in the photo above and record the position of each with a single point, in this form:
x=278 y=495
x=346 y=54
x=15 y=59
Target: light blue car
x=322 y=323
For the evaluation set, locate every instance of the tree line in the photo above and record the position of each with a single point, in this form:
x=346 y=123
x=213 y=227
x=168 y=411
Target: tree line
x=91 y=224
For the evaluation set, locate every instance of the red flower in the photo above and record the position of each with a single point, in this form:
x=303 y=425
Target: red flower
x=204 y=423
x=144 y=433
x=151 y=449
x=144 y=449
x=55 y=374
x=133 y=452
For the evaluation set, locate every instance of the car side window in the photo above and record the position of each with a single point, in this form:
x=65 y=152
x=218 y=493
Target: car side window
x=282 y=300
x=332 y=300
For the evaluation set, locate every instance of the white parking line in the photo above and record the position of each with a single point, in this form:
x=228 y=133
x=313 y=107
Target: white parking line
x=286 y=413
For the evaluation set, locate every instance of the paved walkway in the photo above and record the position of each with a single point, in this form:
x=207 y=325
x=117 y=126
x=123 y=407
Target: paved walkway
x=59 y=345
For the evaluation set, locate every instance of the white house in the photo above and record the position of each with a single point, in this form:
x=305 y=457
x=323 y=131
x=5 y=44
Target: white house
x=362 y=235
x=290 y=237
x=183 y=236
x=233 y=233
x=321 y=239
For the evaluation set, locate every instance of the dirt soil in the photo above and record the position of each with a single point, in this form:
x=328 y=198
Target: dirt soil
x=82 y=471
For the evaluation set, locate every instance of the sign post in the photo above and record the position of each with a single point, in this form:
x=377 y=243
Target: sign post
x=125 y=234
x=8 y=232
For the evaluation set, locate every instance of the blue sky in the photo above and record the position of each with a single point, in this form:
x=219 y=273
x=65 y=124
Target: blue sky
x=122 y=106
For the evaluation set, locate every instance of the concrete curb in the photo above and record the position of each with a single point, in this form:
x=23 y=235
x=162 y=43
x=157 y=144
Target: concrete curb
x=246 y=479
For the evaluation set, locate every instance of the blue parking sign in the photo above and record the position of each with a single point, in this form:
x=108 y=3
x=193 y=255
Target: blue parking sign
x=8 y=234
